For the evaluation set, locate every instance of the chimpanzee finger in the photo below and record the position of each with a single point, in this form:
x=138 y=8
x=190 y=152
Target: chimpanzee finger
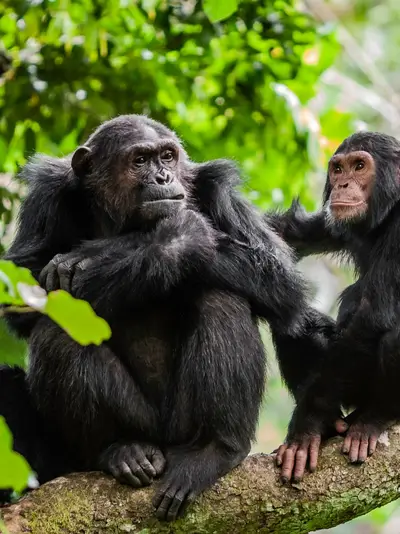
x=138 y=472
x=314 y=452
x=373 y=441
x=288 y=463
x=363 y=450
x=159 y=495
x=354 y=449
x=120 y=474
x=65 y=272
x=158 y=461
x=127 y=476
x=300 y=463
x=78 y=270
x=140 y=459
x=176 y=504
x=49 y=277
x=279 y=455
x=163 y=507
x=346 y=444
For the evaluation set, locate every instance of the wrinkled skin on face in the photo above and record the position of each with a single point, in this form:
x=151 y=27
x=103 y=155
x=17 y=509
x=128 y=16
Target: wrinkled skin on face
x=351 y=176
x=144 y=177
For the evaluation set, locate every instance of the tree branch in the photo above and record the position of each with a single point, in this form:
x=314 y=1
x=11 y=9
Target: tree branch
x=247 y=501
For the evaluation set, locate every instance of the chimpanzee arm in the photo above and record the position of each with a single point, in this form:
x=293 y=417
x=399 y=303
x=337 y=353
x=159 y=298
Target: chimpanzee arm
x=126 y=271
x=307 y=233
x=258 y=265
x=51 y=220
x=214 y=190
x=252 y=261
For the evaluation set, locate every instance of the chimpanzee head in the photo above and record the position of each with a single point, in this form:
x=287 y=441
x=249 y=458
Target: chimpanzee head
x=135 y=168
x=363 y=182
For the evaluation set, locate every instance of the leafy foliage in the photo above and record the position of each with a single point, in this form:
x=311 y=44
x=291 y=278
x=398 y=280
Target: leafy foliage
x=77 y=318
x=19 y=289
x=237 y=88
x=14 y=469
x=217 y=11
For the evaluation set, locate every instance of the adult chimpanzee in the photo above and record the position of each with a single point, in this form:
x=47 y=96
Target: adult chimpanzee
x=360 y=218
x=181 y=267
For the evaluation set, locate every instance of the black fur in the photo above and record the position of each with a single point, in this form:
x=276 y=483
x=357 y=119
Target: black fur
x=176 y=392
x=362 y=369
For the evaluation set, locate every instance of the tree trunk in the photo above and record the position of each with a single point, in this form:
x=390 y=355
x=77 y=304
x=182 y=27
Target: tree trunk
x=249 y=500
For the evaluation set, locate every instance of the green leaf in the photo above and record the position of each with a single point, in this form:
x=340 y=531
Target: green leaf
x=10 y=277
x=14 y=469
x=13 y=350
x=77 y=318
x=217 y=10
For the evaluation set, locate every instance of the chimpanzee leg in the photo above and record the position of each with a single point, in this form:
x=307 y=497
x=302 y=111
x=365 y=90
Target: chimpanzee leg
x=382 y=408
x=89 y=396
x=218 y=388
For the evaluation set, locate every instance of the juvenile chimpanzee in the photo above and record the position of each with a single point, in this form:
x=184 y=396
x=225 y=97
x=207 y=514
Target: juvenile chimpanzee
x=360 y=218
x=181 y=266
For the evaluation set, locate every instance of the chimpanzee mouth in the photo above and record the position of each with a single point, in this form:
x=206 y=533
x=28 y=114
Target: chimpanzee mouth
x=176 y=198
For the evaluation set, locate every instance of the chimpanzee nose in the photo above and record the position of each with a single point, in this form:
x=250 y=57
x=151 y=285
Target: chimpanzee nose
x=163 y=177
x=343 y=186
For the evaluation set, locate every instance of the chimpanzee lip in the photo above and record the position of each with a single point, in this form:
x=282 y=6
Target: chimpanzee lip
x=347 y=204
x=176 y=198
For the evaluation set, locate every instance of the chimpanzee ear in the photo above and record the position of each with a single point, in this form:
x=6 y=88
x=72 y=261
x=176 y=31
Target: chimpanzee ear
x=81 y=161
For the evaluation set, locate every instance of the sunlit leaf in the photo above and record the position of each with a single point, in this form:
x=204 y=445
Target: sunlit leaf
x=77 y=318
x=14 y=469
x=217 y=10
x=13 y=351
x=10 y=276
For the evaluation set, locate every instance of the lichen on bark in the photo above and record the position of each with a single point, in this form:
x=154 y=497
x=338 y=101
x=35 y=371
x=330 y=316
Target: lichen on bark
x=247 y=501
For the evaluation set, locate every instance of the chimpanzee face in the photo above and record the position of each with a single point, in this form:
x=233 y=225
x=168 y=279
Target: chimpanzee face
x=133 y=170
x=351 y=177
x=363 y=182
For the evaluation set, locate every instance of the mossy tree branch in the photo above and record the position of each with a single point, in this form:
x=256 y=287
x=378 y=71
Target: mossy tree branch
x=249 y=500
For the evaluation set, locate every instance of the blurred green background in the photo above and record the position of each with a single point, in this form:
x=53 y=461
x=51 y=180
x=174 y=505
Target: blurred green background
x=276 y=85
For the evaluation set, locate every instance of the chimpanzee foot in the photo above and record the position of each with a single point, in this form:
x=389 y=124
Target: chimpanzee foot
x=362 y=438
x=136 y=464
x=296 y=454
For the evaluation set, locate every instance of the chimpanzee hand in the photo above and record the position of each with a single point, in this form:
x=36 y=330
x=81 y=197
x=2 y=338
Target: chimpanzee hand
x=362 y=437
x=301 y=448
x=136 y=464
x=296 y=453
x=173 y=496
x=60 y=272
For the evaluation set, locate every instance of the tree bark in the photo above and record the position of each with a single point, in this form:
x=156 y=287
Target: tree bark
x=247 y=501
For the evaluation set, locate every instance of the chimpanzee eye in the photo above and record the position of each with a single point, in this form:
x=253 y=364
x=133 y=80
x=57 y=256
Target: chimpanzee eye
x=337 y=169
x=167 y=156
x=360 y=165
x=140 y=160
